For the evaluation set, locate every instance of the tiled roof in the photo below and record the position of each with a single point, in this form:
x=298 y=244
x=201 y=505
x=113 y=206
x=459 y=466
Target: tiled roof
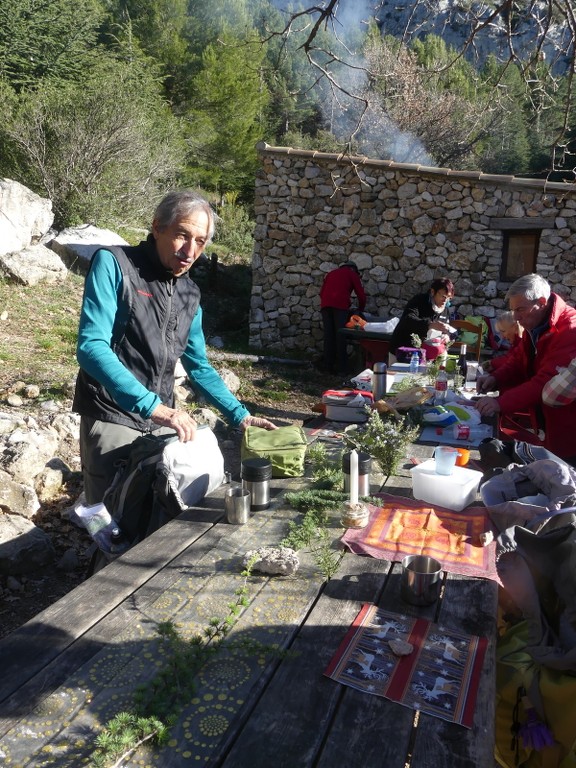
x=367 y=162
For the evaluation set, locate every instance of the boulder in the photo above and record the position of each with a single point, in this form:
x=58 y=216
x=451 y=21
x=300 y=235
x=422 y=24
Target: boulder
x=18 y=498
x=23 y=546
x=24 y=216
x=77 y=245
x=33 y=265
x=26 y=453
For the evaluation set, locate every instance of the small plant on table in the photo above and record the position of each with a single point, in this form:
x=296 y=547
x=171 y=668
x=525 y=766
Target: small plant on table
x=385 y=438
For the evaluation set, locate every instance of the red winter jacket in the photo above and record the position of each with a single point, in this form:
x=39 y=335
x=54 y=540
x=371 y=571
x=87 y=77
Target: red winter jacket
x=524 y=375
x=338 y=287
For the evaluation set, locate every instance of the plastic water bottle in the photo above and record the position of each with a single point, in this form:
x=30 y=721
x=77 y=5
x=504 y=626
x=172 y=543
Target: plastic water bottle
x=103 y=537
x=441 y=386
x=118 y=542
x=414 y=362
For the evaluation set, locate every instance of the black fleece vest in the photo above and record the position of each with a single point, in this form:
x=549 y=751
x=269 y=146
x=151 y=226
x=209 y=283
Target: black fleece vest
x=160 y=310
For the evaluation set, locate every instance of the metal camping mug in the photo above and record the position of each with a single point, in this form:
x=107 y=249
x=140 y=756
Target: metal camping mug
x=421 y=579
x=237 y=504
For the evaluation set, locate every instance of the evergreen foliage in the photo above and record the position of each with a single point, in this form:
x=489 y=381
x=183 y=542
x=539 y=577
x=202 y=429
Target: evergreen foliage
x=226 y=116
x=201 y=83
x=47 y=38
x=100 y=149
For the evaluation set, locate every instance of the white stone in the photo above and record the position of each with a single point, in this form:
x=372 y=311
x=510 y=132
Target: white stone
x=24 y=216
x=77 y=245
x=282 y=561
x=32 y=265
x=23 y=546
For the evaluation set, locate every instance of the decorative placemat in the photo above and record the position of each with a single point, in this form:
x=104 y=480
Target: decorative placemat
x=439 y=677
x=403 y=527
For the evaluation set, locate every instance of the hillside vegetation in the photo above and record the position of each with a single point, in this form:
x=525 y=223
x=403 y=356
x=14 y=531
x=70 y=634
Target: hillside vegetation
x=107 y=103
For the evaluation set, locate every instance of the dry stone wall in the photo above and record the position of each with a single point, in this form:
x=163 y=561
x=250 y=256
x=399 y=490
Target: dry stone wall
x=403 y=225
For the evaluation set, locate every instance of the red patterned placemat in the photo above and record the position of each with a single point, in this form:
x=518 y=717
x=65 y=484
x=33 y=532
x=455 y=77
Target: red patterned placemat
x=440 y=677
x=403 y=527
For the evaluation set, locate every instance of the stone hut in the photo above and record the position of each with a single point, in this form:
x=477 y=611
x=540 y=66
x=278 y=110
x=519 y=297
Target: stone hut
x=403 y=225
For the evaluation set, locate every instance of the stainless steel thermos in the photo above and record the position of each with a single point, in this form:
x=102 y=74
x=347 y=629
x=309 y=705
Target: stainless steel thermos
x=256 y=474
x=364 y=467
x=379 y=380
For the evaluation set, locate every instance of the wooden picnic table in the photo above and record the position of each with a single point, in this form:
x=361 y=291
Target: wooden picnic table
x=70 y=669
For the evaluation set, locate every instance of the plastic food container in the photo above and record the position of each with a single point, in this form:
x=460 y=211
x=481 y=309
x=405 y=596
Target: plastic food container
x=347 y=404
x=454 y=491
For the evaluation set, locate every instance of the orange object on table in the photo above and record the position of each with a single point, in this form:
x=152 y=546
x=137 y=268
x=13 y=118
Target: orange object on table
x=463 y=457
x=355 y=321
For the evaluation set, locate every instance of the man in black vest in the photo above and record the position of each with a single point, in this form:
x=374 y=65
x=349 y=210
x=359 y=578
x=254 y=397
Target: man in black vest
x=140 y=314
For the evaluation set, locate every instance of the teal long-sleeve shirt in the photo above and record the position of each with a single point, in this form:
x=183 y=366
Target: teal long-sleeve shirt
x=100 y=312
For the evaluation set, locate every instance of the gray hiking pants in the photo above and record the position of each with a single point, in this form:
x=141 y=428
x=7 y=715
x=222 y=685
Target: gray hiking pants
x=102 y=446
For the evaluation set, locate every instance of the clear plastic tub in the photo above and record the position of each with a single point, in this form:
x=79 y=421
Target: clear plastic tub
x=454 y=491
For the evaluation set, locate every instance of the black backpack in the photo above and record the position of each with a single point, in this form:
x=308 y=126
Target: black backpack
x=142 y=496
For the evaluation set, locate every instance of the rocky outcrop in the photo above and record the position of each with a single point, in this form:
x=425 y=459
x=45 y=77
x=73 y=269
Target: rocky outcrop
x=30 y=253
x=30 y=471
x=23 y=546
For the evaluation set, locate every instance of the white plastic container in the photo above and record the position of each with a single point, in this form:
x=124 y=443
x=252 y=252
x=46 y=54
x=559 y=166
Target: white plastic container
x=453 y=491
x=347 y=405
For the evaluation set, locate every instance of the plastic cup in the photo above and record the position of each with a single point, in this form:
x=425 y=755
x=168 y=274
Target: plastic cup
x=463 y=457
x=445 y=456
x=421 y=579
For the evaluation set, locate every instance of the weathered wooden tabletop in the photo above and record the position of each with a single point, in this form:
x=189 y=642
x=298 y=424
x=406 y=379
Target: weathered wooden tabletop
x=70 y=669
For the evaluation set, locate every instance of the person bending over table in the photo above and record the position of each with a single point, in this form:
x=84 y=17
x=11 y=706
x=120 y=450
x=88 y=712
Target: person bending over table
x=547 y=344
x=140 y=314
x=427 y=316
x=335 y=302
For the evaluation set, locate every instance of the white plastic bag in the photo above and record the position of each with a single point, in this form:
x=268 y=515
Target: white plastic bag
x=196 y=467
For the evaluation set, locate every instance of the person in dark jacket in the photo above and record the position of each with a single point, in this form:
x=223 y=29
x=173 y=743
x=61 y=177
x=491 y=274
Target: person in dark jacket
x=425 y=315
x=548 y=344
x=335 y=303
x=141 y=314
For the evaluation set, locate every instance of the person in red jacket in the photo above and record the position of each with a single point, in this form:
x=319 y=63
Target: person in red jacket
x=548 y=343
x=335 y=303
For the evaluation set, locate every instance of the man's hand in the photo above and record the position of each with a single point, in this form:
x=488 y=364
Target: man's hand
x=256 y=421
x=487 y=406
x=486 y=384
x=180 y=421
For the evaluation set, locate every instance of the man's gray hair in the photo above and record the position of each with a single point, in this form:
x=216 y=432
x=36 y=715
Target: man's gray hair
x=532 y=287
x=179 y=204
